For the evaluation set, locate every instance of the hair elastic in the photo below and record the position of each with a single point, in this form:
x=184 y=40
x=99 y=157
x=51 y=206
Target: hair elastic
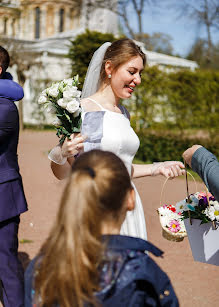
x=90 y=171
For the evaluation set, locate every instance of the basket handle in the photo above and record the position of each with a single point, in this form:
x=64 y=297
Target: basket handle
x=164 y=184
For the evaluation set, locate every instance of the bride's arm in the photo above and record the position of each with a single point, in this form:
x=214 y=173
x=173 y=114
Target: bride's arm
x=168 y=169
x=61 y=171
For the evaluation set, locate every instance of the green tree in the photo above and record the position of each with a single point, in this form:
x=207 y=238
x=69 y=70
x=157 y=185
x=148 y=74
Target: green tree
x=205 y=13
x=180 y=100
x=123 y=8
x=82 y=50
x=199 y=53
x=159 y=42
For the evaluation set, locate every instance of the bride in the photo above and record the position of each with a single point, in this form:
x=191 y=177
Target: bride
x=113 y=74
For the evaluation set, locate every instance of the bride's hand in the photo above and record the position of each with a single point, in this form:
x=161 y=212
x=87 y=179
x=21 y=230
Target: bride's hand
x=73 y=146
x=170 y=169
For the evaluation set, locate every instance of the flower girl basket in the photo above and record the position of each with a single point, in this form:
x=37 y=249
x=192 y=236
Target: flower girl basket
x=167 y=216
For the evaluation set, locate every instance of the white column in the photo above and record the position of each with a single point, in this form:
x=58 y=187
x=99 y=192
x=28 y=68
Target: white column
x=32 y=17
x=67 y=19
x=2 y=26
x=56 y=20
x=27 y=24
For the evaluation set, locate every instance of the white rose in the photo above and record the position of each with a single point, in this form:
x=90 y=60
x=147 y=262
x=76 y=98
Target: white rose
x=72 y=106
x=51 y=109
x=44 y=92
x=70 y=92
x=77 y=113
x=68 y=81
x=56 y=122
x=42 y=99
x=53 y=91
x=62 y=103
x=78 y=95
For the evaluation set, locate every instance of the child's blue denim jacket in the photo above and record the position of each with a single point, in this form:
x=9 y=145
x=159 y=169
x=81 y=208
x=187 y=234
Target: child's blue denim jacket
x=128 y=276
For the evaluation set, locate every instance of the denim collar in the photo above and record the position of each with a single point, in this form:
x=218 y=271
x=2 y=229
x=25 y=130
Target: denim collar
x=118 y=242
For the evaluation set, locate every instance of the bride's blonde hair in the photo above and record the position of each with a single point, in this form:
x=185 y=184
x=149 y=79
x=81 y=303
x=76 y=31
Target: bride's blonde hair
x=67 y=271
x=120 y=52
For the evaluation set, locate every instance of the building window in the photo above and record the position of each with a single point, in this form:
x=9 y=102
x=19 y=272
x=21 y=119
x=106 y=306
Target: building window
x=37 y=22
x=61 y=20
x=5 y=26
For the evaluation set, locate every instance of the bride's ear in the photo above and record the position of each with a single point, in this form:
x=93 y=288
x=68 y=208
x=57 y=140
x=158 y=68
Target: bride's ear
x=131 y=200
x=108 y=68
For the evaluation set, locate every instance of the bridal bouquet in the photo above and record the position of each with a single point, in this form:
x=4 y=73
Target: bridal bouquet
x=200 y=206
x=172 y=223
x=62 y=99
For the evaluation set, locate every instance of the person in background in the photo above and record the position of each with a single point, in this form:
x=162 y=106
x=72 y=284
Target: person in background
x=12 y=198
x=206 y=165
x=84 y=261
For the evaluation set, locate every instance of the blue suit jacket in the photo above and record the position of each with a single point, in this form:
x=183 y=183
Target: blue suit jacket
x=12 y=198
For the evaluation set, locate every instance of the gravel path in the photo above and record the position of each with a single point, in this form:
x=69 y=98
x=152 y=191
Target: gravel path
x=196 y=284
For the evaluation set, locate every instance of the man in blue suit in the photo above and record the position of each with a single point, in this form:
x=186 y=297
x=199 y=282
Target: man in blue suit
x=12 y=198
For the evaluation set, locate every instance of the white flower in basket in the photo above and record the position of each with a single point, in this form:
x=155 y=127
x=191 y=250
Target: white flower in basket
x=172 y=225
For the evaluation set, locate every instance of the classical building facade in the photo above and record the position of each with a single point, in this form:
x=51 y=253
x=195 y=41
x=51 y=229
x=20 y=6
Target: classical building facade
x=40 y=19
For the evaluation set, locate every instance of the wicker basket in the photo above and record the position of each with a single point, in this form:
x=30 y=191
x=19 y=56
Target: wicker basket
x=167 y=234
x=171 y=236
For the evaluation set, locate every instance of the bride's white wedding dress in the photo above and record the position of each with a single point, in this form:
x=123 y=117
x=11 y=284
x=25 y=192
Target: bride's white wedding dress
x=111 y=131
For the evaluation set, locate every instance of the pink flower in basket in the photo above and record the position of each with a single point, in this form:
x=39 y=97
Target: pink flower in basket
x=174 y=226
x=203 y=194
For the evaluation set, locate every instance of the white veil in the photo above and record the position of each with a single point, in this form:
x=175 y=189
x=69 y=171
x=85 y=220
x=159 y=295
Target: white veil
x=91 y=82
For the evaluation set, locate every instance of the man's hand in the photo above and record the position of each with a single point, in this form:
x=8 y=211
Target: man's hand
x=187 y=155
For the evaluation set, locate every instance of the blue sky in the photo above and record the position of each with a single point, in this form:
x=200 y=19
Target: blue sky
x=182 y=30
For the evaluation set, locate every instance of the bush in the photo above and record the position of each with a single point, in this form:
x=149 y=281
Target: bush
x=82 y=50
x=156 y=147
x=178 y=100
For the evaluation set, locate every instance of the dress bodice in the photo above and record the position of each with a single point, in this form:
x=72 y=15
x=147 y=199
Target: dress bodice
x=110 y=131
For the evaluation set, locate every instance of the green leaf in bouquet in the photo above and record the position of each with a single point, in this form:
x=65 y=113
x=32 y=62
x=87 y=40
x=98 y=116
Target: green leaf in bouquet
x=68 y=116
x=59 y=115
x=76 y=130
x=76 y=80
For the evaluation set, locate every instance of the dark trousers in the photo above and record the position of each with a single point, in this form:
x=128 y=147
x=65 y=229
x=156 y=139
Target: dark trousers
x=11 y=270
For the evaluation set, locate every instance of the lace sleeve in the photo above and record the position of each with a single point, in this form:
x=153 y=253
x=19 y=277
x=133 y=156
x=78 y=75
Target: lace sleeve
x=92 y=127
x=56 y=156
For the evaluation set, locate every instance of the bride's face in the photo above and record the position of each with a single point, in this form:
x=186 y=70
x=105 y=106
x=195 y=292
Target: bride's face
x=127 y=77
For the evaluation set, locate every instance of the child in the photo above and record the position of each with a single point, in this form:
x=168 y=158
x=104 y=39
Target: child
x=84 y=261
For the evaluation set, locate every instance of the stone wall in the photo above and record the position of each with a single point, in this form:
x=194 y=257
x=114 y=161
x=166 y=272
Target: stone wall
x=47 y=69
x=19 y=19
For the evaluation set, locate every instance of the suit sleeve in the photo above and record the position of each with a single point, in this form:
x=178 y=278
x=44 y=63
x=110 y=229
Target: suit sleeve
x=207 y=166
x=10 y=90
x=8 y=120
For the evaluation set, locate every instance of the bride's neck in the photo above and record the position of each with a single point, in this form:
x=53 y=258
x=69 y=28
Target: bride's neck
x=106 y=94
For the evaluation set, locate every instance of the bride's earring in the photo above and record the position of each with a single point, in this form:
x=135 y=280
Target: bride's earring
x=109 y=76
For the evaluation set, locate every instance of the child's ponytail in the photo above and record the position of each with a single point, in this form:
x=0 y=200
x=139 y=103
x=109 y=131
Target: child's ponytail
x=68 y=271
